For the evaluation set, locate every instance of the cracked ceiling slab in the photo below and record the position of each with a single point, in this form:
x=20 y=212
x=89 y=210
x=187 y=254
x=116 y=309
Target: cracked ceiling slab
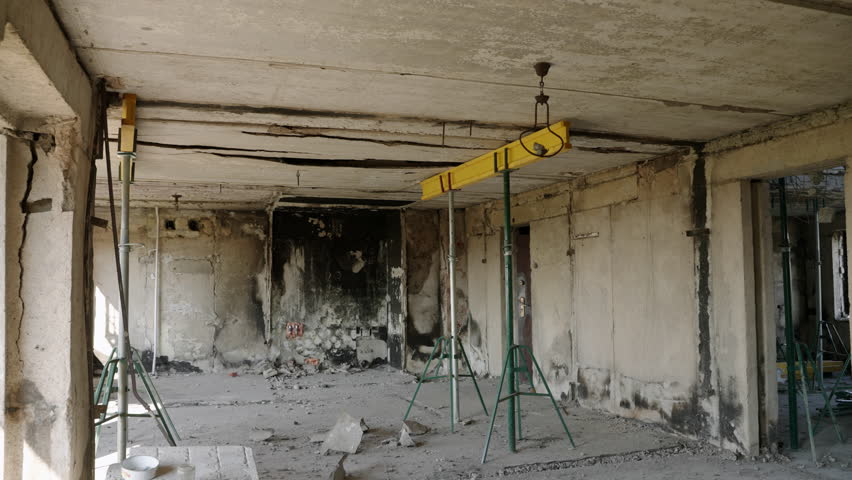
x=248 y=92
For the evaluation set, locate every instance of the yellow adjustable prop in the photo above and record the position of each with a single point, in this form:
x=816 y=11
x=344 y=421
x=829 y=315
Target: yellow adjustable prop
x=488 y=165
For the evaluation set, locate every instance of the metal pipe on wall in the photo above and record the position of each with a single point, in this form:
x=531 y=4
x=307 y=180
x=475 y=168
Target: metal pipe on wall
x=156 y=291
x=451 y=260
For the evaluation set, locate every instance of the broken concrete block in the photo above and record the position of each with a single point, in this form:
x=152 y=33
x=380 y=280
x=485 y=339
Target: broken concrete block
x=405 y=439
x=414 y=428
x=270 y=372
x=339 y=473
x=261 y=435
x=345 y=436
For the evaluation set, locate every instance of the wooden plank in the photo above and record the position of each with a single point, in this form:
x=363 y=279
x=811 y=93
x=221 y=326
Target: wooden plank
x=211 y=462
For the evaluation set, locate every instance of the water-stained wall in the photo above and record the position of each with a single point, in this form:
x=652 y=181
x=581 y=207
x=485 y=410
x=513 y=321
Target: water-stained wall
x=336 y=273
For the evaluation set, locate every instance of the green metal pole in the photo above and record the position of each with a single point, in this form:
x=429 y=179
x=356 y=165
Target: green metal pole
x=510 y=321
x=788 y=320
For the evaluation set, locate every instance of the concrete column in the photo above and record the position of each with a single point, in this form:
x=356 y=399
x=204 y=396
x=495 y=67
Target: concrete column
x=765 y=313
x=46 y=383
x=847 y=199
x=733 y=329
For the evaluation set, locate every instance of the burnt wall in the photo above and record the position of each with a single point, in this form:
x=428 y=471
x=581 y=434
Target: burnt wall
x=423 y=251
x=332 y=273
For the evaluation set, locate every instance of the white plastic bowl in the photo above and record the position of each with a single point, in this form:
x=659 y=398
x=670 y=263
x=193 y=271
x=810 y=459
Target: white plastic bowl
x=139 y=467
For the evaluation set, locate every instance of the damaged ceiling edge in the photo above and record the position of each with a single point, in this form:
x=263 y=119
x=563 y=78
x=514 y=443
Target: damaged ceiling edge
x=320 y=119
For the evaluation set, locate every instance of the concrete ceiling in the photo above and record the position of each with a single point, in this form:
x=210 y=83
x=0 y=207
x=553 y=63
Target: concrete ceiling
x=248 y=101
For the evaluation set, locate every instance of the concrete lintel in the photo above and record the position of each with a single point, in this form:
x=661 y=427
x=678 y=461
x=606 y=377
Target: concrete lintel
x=35 y=28
x=819 y=140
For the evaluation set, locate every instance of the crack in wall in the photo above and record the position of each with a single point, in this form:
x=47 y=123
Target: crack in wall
x=26 y=216
x=213 y=259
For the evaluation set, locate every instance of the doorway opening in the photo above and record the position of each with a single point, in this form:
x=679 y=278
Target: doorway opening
x=523 y=293
x=814 y=312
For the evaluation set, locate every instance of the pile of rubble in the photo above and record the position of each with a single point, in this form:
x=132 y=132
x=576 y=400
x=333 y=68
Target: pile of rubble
x=292 y=369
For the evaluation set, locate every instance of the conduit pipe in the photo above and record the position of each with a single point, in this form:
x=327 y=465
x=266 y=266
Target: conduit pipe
x=156 y=291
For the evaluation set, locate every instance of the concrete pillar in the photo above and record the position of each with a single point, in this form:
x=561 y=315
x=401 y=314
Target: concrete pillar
x=733 y=329
x=47 y=107
x=46 y=425
x=847 y=199
x=765 y=313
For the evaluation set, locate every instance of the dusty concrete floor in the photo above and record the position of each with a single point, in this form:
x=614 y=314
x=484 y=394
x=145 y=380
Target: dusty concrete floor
x=214 y=409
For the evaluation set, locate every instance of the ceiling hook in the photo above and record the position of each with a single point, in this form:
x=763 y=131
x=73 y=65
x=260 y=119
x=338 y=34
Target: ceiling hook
x=539 y=150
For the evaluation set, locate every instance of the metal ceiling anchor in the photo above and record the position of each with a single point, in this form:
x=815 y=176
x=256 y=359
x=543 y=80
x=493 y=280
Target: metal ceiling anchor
x=539 y=150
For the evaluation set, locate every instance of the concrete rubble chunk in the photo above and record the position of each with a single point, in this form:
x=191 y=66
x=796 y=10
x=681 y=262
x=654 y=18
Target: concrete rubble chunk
x=260 y=435
x=414 y=428
x=270 y=372
x=339 y=472
x=345 y=436
x=405 y=439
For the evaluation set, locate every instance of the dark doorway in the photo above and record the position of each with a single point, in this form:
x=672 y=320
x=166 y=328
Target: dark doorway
x=523 y=293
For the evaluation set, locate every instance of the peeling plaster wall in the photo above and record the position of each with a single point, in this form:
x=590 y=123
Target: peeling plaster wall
x=213 y=286
x=614 y=292
x=46 y=428
x=337 y=272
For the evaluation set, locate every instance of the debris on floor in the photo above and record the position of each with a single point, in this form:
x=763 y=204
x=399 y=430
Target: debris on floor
x=405 y=439
x=261 y=434
x=414 y=428
x=345 y=436
x=339 y=472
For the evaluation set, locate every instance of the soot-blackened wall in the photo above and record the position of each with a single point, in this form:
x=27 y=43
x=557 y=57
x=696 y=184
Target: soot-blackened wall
x=332 y=272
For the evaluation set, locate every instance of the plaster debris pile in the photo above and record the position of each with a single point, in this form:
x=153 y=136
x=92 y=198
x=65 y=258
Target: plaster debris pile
x=290 y=369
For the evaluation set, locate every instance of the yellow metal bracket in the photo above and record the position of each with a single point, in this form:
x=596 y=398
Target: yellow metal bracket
x=127 y=133
x=487 y=165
